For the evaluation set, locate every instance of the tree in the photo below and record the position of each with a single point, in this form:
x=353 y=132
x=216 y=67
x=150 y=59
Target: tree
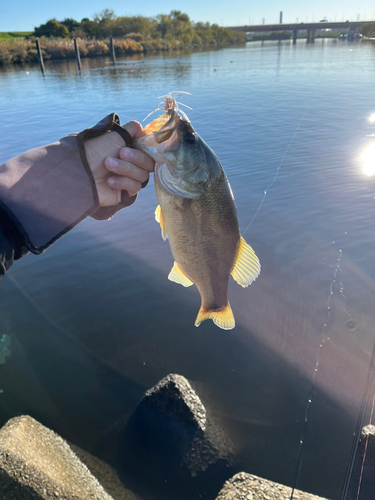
x=71 y=24
x=89 y=27
x=105 y=15
x=221 y=35
x=367 y=29
x=138 y=24
x=105 y=22
x=52 y=28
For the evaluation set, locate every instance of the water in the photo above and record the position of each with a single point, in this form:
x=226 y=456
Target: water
x=94 y=322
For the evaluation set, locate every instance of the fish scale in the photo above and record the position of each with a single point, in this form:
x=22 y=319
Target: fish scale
x=197 y=213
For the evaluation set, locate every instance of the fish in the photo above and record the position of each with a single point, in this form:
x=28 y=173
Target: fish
x=197 y=214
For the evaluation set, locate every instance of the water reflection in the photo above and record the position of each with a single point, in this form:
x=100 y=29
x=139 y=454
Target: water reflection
x=93 y=284
x=368 y=160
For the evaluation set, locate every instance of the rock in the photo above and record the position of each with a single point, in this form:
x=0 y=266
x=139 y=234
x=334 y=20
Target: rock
x=106 y=476
x=245 y=486
x=172 y=414
x=174 y=438
x=37 y=464
x=363 y=476
x=174 y=396
x=368 y=434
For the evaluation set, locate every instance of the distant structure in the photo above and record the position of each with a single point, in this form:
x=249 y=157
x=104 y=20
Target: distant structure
x=281 y=17
x=310 y=28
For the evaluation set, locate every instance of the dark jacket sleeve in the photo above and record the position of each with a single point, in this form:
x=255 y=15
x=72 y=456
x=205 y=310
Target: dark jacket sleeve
x=12 y=244
x=47 y=191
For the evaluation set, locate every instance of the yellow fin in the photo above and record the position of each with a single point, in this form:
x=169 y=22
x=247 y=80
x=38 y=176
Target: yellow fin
x=178 y=276
x=159 y=217
x=157 y=214
x=246 y=267
x=223 y=319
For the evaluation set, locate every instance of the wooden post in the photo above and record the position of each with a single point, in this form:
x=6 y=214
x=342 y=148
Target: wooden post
x=112 y=50
x=40 y=56
x=76 y=48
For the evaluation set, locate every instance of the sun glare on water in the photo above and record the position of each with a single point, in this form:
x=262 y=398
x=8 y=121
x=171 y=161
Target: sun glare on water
x=371 y=118
x=368 y=160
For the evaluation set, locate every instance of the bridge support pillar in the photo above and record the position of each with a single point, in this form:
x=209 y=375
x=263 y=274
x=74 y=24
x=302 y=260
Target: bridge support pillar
x=294 y=36
x=311 y=35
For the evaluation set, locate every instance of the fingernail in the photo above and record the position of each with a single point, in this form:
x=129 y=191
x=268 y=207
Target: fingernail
x=112 y=163
x=111 y=181
x=126 y=153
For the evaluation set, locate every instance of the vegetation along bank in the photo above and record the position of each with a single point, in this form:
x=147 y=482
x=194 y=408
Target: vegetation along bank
x=131 y=35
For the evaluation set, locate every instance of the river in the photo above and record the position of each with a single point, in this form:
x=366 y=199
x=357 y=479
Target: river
x=94 y=321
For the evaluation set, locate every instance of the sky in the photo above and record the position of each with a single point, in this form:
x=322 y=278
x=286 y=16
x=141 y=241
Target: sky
x=25 y=15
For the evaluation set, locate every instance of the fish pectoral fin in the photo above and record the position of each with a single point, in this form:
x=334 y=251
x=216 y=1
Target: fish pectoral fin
x=178 y=276
x=223 y=318
x=246 y=266
x=190 y=220
x=157 y=213
x=159 y=217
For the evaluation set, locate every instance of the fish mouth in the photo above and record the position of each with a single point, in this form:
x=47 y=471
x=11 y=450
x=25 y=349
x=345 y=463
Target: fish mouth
x=161 y=136
x=159 y=126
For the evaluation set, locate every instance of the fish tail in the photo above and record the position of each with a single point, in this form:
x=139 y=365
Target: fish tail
x=223 y=318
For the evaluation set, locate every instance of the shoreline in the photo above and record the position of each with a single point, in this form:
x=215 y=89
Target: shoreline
x=18 y=52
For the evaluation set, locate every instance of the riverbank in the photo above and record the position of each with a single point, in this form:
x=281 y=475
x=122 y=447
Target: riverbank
x=24 y=51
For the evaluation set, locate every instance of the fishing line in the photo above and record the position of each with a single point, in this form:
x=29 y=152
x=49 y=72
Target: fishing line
x=358 y=430
x=337 y=269
x=278 y=168
x=286 y=151
x=365 y=450
x=313 y=383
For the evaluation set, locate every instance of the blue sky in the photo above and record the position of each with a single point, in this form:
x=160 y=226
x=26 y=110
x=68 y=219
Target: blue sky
x=24 y=15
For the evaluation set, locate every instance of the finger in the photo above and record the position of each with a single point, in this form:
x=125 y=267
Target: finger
x=135 y=129
x=137 y=158
x=125 y=184
x=126 y=169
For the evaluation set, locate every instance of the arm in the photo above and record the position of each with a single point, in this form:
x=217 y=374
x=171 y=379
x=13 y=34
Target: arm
x=12 y=244
x=47 y=191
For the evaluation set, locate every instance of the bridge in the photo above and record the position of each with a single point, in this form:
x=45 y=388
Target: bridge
x=295 y=27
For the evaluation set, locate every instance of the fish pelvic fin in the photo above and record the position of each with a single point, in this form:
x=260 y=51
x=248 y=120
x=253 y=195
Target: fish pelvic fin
x=223 y=318
x=178 y=276
x=246 y=267
x=159 y=217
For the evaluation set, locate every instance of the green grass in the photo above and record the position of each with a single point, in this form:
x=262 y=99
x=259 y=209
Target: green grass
x=13 y=35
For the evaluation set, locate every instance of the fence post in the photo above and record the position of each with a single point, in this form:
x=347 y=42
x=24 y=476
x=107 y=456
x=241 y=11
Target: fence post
x=76 y=48
x=40 y=56
x=112 y=50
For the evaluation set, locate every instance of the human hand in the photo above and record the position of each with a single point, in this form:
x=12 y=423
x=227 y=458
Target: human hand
x=116 y=168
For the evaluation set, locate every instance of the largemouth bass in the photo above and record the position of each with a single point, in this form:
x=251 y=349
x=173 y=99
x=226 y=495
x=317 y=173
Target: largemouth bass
x=197 y=213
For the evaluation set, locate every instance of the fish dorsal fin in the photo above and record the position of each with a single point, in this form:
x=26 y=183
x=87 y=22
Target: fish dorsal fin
x=159 y=217
x=246 y=266
x=223 y=319
x=178 y=276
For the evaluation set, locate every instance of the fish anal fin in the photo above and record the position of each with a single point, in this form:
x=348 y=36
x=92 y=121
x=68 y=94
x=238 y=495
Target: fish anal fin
x=159 y=217
x=246 y=267
x=178 y=276
x=222 y=318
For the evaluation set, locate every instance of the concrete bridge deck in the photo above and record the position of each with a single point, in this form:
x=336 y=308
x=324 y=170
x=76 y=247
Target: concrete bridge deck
x=257 y=28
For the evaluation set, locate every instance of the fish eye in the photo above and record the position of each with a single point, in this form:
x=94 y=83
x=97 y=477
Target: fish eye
x=190 y=138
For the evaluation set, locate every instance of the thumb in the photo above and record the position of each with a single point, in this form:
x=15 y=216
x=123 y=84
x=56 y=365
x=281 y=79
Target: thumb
x=134 y=128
